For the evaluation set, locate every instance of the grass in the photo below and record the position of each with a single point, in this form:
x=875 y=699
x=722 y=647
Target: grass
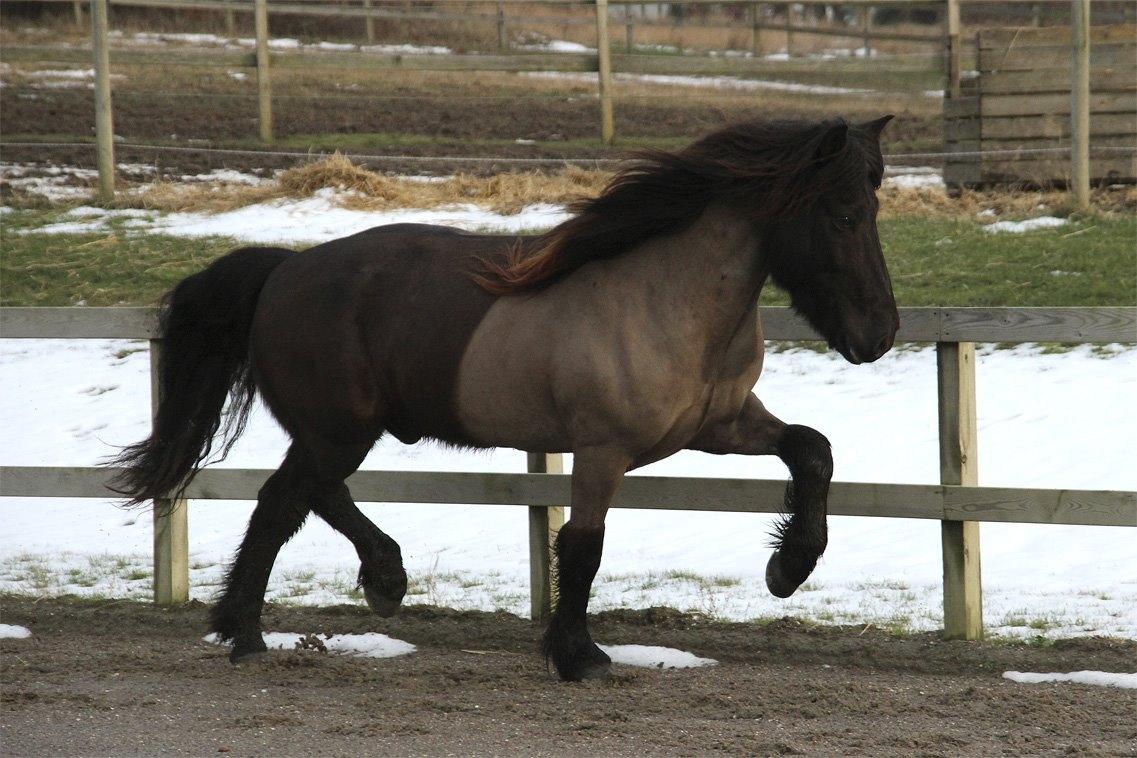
x=946 y=262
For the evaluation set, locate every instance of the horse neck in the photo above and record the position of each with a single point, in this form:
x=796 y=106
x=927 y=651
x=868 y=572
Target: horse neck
x=704 y=280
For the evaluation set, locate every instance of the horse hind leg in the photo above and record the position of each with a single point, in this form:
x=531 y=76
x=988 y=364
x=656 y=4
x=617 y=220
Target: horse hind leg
x=282 y=507
x=381 y=574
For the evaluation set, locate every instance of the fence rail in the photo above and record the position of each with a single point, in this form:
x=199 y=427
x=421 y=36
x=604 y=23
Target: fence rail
x=956 y=502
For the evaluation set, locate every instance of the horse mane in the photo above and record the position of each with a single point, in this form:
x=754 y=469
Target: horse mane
x=771 y=170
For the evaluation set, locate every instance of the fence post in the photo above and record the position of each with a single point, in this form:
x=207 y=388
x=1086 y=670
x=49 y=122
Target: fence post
x=629 y=30
x=1080 y=103
x=104 y=116
x=866 y=22
x=963 y=592
x=369 y=24
x=755 y=43
x=264 y=85
x=501 y=25
x=230 y=22
x=951 y=18
x=78 y=8
x=789 y=29
x=604 y=72
x=171 y=523
x=544 y=523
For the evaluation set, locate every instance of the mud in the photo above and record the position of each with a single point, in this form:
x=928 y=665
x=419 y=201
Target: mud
x=128 y=678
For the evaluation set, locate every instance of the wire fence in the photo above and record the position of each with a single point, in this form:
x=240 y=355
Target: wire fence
x=895 y=159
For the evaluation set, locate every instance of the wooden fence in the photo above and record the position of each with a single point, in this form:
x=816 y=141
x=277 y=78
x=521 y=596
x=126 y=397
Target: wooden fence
x=1012 y=122
x=956 y=502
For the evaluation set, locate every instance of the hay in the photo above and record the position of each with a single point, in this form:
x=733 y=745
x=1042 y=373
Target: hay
x=362 y=189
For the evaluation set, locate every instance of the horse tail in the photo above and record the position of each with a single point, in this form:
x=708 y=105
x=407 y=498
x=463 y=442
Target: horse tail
x=204 y=323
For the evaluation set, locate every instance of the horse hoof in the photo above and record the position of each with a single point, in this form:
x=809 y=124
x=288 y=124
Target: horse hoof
x=380 y=604
x=776 y=580
x=591 y=663
x=247 y=651
x=597 y=671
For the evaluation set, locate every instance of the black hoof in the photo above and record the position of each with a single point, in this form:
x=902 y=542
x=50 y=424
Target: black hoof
x=580 y=662
x=383 y=596
x=247 y=650
x=777 y=581
x=382 y=606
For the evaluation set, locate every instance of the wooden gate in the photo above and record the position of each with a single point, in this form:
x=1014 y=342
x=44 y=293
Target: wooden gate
x=1011 y=123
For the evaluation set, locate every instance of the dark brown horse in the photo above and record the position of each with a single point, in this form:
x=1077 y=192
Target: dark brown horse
x=623 y=335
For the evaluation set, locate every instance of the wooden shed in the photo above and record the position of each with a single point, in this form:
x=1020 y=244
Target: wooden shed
x=1011 y=123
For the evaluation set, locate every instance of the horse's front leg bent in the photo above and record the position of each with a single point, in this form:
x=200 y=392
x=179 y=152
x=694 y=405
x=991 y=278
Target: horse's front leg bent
x=802 y=535
x=597 y=473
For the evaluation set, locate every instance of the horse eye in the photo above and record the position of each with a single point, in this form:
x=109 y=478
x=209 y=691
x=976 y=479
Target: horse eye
x=847 y=222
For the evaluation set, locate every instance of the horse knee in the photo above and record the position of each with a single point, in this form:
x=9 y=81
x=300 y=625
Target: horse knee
x=806 y=452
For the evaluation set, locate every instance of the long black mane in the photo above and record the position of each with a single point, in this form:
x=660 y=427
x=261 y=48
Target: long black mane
x=770 y=169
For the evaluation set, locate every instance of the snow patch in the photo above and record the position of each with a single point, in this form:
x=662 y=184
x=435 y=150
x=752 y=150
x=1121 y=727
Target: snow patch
x=1099 y=678
x=314 y=219
x=13 y=632
x=367 y=645
x=558 y=46
x=655 y=657
x=1020 y=227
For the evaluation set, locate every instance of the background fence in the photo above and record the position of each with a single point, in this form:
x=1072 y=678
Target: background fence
x=957 y=502
x=934 y=54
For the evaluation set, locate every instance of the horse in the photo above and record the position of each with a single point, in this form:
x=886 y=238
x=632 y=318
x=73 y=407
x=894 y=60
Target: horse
x=623 y=335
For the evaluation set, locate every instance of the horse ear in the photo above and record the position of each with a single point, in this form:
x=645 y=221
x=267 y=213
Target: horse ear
x=833 y=141
x=876 y=127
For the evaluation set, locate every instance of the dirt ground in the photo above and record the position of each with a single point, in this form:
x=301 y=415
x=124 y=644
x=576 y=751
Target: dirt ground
x=402 y=113
x=126 y=678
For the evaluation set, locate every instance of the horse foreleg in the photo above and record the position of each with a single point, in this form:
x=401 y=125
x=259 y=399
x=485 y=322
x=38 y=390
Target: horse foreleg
x=801 y=536
x=597 y=473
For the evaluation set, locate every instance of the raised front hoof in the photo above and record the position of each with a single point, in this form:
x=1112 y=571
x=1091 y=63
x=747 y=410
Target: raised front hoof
x=383 y=597
x=583 y=663
x=777 y=582
x=247 y=651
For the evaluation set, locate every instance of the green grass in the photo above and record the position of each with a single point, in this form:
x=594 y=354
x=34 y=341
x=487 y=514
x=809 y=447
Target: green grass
x=933 y=262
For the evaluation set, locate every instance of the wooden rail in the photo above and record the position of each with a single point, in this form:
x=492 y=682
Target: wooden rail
x=956 y=502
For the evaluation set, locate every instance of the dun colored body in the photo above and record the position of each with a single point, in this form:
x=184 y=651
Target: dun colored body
x=626 y=334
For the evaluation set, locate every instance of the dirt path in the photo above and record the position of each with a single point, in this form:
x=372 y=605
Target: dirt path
x=127 y=678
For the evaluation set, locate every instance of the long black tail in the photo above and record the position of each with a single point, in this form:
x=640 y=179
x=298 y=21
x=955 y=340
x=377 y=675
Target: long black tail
x=204 y=324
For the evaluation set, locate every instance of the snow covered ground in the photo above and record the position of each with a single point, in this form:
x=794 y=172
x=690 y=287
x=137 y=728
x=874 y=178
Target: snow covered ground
x=1046 y=420
x=70 y=402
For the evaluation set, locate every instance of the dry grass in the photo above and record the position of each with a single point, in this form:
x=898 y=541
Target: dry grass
x=362 y=189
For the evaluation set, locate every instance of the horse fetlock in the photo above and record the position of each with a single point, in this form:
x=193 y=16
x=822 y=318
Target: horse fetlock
x=383 y=588
x=573 y=653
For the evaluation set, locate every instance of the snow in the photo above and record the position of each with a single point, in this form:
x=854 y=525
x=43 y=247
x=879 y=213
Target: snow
x=406 y=49
x=70 y=402
x=1020 y=227
x=367 y=645
x=655 y=657
x=558 y=46
x=279 y=43
x=314 y=219
x=1099 y=678
x=712 y=82
x=13 y=632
